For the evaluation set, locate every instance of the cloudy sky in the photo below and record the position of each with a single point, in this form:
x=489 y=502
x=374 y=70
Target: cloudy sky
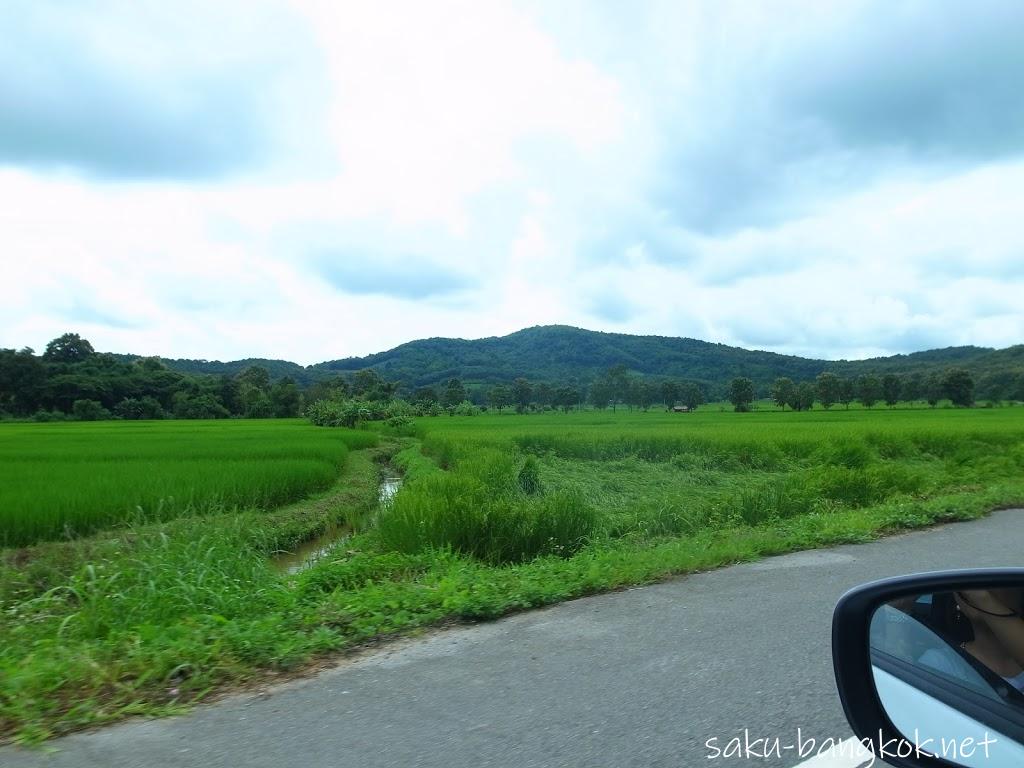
x=316 y=179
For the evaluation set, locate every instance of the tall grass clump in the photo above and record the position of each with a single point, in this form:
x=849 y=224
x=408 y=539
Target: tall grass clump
x=482 y=511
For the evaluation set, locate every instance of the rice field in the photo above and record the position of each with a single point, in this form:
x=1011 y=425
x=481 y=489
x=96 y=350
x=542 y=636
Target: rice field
x=69 y=479
x=604 y=475
x=497 y=513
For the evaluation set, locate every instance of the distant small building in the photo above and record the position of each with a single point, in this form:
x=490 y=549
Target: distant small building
x=680 y=409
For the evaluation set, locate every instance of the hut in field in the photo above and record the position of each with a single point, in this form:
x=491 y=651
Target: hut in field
x=680 y=409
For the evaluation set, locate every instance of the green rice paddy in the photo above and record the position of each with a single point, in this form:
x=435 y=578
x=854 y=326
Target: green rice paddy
x=69 y=479
x=137 y=574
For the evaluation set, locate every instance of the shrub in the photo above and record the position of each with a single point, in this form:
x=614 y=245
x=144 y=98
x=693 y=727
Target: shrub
x=89 y=410
x=141 y=408
x=189 y=406
x=43 y=416
x=465 y=408
x=336 y=413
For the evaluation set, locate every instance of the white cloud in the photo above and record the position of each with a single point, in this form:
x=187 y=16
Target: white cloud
x=471 y=168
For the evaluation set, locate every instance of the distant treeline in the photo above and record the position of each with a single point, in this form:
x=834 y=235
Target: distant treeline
x=576 y=357
x=71 y=380
x=829 y=389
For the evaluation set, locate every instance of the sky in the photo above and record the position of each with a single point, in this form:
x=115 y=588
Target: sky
x=316 y=179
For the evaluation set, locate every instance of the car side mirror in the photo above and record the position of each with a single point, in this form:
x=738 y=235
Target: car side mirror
x=930 y=668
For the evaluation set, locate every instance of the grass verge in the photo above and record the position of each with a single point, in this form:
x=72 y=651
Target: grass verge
x=160 y=626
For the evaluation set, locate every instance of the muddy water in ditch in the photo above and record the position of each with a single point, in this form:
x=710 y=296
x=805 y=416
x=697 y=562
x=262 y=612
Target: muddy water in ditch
x=309 y=552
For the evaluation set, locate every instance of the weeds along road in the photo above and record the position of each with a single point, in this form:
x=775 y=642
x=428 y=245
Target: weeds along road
x=643 y=677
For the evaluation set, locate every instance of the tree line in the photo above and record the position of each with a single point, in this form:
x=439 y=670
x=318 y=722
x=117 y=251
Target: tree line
x=71 y=380
x=829 y=389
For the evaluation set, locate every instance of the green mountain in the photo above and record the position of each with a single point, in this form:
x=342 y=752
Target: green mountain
x=566 y=354
x=562 y=353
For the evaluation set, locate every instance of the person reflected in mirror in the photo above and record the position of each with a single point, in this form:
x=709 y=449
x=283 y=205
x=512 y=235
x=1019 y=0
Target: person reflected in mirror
x=998 y=630
x=987 y=625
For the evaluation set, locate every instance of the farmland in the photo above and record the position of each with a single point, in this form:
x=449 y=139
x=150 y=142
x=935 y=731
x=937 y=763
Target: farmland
x=146 y=612
x=62 y=480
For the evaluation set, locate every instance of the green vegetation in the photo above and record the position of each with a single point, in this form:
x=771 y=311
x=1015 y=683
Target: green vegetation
x=541 y=368
x=498 y=513
x=62 y=480
x=71 y=381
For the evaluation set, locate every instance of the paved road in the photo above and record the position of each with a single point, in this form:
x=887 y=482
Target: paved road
x=638 y=678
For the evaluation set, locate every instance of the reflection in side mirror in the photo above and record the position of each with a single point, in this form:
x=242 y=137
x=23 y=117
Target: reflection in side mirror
x=949 y=671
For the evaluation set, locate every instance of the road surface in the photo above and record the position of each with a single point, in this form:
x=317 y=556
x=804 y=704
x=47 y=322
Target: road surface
x=644 y=677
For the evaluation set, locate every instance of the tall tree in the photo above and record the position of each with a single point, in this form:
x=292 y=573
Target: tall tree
x=499 y=396
x=782 y=392
x=891 y=389
x=543 y=393
x=255 y=376
x=648 y=394
x=567 y=397
x=602 y=393
x=68 y=348
x=869 y=390
x=522 y=392
x=285 y=398
x=618 y=382
x=669 y=392
x=803 y=396
x=454 y=393
x=912 y=387
x=691 y=394
x=958 y=386
x=847 y=392
x=424 y=396
x=741 y=393
x=828 y=389
x=22 y=380
x=933 y=390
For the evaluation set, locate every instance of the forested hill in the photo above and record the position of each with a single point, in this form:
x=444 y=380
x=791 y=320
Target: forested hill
x=562 y=353
x=277 y=369
x=565 y=354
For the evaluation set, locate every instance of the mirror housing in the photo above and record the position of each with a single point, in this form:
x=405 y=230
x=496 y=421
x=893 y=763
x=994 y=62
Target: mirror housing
x=857 y=674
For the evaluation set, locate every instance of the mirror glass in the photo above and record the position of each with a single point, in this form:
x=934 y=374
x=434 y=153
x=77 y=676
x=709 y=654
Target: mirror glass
x=949 y=671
